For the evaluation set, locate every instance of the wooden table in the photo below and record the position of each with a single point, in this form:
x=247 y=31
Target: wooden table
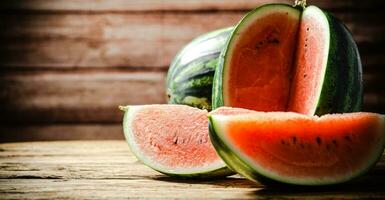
x=107 y=169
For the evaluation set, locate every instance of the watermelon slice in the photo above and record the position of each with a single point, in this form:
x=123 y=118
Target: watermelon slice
x=172 y=139
x=297 y=149
x=285 y=58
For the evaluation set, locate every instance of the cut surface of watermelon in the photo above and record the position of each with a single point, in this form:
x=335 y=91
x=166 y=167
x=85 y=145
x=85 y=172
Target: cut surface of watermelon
x=268 y=42
x=284 y=58
x=311 y=61
x=172 y=139
x=298 y=149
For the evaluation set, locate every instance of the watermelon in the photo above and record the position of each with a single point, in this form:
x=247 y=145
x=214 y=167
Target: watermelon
x=292 y=148
x=172 y=139
x=190 y=76
x=285 y=58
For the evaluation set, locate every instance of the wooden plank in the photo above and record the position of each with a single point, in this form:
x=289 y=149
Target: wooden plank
x=105 y=40
x=374 y=103
x=374 y=91
x=164 y=5
x=69 y=41
x=89 y=96
x=93 y=96
x=373 y=82
x=100 y=160
x=48 y=132
x=230 y=188
x=107 y=169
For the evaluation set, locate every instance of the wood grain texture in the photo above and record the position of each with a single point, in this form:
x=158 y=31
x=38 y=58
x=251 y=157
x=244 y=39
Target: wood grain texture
x=14 y=132
x=76 y=97
x=164 y=5
x=103 y=40
x=107 y=170
x=135 y=40
x=66 y=64
x=93 y=96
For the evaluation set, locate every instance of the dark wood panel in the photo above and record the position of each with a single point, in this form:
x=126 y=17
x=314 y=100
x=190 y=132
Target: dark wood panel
x=47 y=97
x=373 y=82
x=129 y=40
x=374 y=102
x=72 y=49
x=93 y=97
x=41 y=132
x=105 y=40
x=165 y=5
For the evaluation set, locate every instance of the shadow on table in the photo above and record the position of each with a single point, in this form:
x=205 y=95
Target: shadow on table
x=231 y=181
x=371 y=185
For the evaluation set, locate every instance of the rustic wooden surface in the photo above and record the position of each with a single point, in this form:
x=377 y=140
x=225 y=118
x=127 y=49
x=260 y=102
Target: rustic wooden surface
x=107 y=170
x=66 y=64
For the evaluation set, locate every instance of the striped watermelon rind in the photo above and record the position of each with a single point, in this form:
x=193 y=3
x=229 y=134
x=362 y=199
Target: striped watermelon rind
x=342 y=89
x=190 y=76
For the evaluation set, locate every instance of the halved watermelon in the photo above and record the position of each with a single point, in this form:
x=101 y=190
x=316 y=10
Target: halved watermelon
x=172 y=139
x=297 y=149
x=284 y=58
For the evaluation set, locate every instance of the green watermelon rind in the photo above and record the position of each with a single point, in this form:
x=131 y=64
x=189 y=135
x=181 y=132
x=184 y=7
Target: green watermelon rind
x=342 y=89
x=239 y=163
x=341 y=82
x=190 y=82
x=184 y=50
x=216 y=170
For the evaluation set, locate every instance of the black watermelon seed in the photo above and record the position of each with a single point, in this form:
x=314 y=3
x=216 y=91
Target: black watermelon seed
x=335 y=143
x=348 y=138
x=294 y=139
x=318 y=139
x=282 y=142
x=275 y=41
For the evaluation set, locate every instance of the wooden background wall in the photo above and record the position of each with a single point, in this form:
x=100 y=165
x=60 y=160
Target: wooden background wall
x=66 y=64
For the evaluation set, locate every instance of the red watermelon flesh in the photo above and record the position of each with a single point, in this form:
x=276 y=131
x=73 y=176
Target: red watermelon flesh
x=281 y=58
x=298 y=149
x=172 y=139
x=270 y=45
x=308 y=69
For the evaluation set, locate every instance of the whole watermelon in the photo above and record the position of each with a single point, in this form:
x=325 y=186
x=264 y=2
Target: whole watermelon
x=191 y=73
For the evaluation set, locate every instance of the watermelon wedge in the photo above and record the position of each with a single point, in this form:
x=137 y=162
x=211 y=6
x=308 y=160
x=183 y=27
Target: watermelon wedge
x=285 y=58
x=172 y=139
x=292 y=148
